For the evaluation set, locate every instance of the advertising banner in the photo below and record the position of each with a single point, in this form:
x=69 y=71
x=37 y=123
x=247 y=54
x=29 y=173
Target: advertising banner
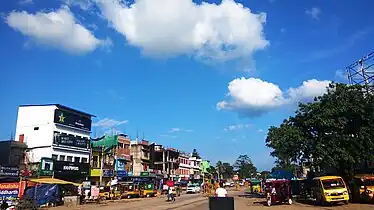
x=72 y=141
x=72 y=120
x=9 y=191
x=9 y=171
x=120 y=165
x=70 y=168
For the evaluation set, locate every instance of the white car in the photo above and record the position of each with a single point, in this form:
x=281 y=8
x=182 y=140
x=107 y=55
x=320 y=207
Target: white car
x=192 y=189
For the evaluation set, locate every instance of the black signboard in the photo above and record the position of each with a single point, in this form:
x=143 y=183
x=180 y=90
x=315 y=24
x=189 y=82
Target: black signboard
x=72 y=141
x=70 y=168
x=9 y=171
x=73 y=120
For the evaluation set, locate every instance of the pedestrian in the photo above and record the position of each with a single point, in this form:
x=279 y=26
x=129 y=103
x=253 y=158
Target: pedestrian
x=221 y=192
x=170 y=194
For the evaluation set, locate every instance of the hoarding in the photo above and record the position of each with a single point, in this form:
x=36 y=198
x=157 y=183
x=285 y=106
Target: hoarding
x=72 y=120
x=9 y=192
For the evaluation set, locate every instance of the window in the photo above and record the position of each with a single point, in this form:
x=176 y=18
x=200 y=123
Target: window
x=84 y=160
x=76 y=159
x=36 y=128
x=69 y=158
x=54 y=157
x=62 y=157
x=47 y=166
x=95 y=161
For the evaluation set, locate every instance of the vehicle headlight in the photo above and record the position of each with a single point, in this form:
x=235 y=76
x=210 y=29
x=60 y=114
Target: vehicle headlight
x=327 y=194
x=345 y=193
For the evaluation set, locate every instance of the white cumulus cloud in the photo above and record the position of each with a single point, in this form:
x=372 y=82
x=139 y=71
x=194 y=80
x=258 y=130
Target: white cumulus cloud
x=58 y=29
x=253 y=96
x=223 y=31
x=109 y=123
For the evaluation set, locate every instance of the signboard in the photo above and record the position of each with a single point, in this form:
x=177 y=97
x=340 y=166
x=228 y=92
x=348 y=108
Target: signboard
x=12 y=171
x=123 y=173
x=108 y=173
x=9 y=192
x=72 y=141
x=72 y=120
x=46 y=167
x=144 y=173
x=70 y=168
x=120 y=165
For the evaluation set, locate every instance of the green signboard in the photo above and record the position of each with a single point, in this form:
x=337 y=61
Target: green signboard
x=144 y=173
x=46 y=167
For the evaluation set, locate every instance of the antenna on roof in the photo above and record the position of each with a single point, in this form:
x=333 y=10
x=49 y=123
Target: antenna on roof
x=143 y=135
x=137 y=134
x=11 y=136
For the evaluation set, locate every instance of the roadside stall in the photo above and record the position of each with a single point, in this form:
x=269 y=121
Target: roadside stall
x=53 y=191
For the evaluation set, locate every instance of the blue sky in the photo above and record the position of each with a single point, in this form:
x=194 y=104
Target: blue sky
x=212 y=76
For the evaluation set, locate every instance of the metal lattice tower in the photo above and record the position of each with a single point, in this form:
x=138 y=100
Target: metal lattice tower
x=362 y=72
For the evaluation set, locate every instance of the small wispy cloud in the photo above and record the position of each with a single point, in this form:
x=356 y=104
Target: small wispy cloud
x=168 y=136
x=236 y=127
x=260 y=130
x=175 y=130
x=109 y=123
x=283 y=30
x=314 y=12
x=24 y=2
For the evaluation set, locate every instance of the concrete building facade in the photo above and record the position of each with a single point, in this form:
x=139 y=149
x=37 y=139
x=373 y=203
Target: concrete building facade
x=195 y=167
x=184 y=165
x=54 y=131
x=164 y=161
x=140 y=152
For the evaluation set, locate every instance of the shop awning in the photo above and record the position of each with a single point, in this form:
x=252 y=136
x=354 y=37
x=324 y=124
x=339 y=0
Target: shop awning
x=52 y=181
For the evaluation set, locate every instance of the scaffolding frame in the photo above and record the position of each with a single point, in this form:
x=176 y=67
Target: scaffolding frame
x=361 y=72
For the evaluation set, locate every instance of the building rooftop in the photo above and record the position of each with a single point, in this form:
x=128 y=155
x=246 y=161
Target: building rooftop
x=59 y=106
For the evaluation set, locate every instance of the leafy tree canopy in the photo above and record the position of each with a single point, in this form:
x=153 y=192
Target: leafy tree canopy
x=244 y=167
x=335 y=131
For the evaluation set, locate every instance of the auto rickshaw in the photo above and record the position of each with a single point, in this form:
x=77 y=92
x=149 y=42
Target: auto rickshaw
x=255 y=186
x=131 y=190
x=148 y=190
x=363 y=189
x=105 y=193
x=278 y=191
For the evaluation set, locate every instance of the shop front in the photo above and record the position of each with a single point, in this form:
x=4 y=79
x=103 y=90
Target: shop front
x=70 y=171
x=107 y=176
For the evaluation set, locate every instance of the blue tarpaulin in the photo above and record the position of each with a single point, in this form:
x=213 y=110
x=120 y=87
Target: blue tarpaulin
x=282 y=174
x=44 y=193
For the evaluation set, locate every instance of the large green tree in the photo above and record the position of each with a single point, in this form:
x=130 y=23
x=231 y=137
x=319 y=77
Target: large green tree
x=225 y=170
x=244 y=167
x=335 y=131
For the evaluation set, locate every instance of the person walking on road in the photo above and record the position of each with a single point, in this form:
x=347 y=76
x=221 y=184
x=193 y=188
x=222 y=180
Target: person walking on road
x=170 y=194
x=221 y=192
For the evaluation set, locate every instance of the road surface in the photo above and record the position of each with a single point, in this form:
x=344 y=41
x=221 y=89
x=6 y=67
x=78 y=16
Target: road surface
x=199 y=202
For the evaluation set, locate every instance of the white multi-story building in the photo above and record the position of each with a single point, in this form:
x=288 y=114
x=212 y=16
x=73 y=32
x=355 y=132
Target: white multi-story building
x=54 y=131
x=195 y=167
x=183 y=170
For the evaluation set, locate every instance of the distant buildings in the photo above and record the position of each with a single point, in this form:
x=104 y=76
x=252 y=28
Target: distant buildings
x=54 y=140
